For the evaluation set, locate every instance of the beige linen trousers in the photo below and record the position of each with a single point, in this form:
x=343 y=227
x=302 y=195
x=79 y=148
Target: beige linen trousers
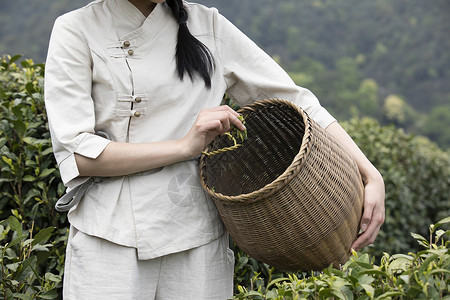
x=98 y=269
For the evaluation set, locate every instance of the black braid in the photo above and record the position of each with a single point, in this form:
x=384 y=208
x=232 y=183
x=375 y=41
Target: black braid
x=192 y=56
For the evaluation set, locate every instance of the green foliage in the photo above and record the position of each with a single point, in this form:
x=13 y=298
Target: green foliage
x=398 y=112
x=400 y=44
x=334 y=47
x=421 y=275
x=342 y=90
x=21 y=262
x=29 y=186
x=29 y=178
x=25 y=25
x=33 y=235
x=436 y=123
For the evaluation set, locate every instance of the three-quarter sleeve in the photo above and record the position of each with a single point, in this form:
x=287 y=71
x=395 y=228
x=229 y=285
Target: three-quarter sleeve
x=69 y=105
x=253 y=75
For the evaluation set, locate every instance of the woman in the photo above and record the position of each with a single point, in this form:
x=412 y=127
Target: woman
x=132 y=70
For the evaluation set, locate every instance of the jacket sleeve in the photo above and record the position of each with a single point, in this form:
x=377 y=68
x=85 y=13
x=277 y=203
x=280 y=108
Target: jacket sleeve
x=253 y=75
x=69 y=105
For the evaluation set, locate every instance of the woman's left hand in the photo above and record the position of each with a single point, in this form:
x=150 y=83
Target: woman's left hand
x=373 y=211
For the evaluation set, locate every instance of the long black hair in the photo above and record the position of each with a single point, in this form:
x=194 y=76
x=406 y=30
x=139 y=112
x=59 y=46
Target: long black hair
x=192 y=56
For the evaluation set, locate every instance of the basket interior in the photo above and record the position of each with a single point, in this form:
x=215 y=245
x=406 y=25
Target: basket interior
x=275 y=135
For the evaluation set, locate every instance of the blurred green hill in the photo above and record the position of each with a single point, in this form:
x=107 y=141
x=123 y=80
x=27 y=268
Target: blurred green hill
x=386 y=59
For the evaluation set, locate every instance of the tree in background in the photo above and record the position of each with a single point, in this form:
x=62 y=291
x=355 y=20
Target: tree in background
x=399 y=113
x=437 y=124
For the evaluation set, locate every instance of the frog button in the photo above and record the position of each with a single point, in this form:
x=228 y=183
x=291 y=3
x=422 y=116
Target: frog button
x=130 y=52
x=126 y=44
x=137 y=114
x=138 y=100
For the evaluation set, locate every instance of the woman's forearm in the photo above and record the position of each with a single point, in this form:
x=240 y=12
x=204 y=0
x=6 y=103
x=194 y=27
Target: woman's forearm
x=126 y=158
x=374 y=193
x=119 y=159
x=366 y=168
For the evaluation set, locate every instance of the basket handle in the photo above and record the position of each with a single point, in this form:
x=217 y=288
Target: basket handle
x=234 y=132
x=225 y=149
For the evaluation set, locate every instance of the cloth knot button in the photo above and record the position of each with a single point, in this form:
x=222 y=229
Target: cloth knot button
x=130 y=52
x=126 y=44
x=137 y=114
x=138 y=99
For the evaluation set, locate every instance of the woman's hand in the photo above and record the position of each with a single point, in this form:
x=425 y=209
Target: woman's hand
x=210 y=123
x=373 y=211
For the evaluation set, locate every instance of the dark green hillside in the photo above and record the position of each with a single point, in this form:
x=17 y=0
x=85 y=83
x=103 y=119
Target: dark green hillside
x=25 y=25
x=387 y=59
x=404 y=45
x=355 y=55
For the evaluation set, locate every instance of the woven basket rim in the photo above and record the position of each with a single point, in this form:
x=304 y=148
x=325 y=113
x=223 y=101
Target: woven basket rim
x=290 y=172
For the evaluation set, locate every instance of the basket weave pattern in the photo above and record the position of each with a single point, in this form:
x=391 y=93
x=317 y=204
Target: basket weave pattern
x=290 y=196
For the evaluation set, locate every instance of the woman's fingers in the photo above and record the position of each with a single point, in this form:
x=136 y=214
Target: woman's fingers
x=373 y=216
x=224 y=114
x=210 y=123
x=234 y=117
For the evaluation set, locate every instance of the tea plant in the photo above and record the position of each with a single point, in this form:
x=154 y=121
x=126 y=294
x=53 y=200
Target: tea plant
x=421 y=275
x=29 y=186
x=22 y=260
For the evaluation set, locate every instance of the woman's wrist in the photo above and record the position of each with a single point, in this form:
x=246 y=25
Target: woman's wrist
x=370 y=174
x=183 y=149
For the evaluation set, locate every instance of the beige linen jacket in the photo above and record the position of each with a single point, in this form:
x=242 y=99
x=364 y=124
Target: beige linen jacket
x=111 y=69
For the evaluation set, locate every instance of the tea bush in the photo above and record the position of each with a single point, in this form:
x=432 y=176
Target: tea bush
x=421 y=275
x=29 y=186
x=33 y=235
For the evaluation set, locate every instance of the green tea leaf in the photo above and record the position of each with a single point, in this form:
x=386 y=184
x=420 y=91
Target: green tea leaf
x=46 y=172
x=52 y=277
x=29 y=140
x=373 y=272
x=14 y=266
x=7 y=160
x=439 y=271
x=370 y=291
x=47 y=151
x=43 y=235
x=44 y=248
x=15 y=225
x=276 y=281
x=10 y=254
x=16 y=241
x=49 y=295
x=426 y=262
x=21 y=296
x=443 y=221
x=418 y=237
x=388 y=295
x=241 y=262
x=439 y=233
x=29 y=178
x=15 y=58
x=30 y=88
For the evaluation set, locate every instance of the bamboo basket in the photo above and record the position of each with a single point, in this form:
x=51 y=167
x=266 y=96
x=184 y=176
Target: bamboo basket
x=290 y=196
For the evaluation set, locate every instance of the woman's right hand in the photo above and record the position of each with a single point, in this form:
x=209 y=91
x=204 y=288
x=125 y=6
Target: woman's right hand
x=210 y=123
x=119 y=159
